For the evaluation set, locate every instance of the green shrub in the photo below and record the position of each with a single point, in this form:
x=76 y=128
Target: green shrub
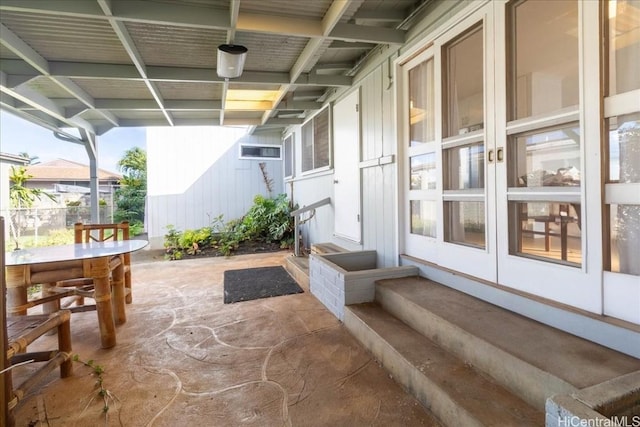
x=267 y=220
x=136 y=228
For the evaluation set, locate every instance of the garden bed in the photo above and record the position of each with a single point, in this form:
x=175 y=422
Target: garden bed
x=244 y=248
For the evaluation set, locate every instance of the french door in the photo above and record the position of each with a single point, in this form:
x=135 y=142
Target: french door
x=448 y=203
x=496 y=146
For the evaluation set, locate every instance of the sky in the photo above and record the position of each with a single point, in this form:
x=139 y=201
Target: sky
x=18 y=135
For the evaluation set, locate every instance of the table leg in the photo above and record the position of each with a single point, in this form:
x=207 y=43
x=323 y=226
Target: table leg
x=16 y=280
x=127 y=278
x=118 y=288
x=99 y=270
x=49 y=289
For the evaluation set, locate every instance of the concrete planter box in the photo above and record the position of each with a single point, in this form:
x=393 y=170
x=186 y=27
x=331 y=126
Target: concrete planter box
x=344 y=278
x=614 y=402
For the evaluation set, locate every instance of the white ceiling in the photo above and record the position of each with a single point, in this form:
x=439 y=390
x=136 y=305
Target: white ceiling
x=100 y=64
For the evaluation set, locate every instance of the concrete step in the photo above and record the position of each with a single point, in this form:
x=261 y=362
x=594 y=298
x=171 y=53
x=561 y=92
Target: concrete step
x=453 y=390
x=533 y=360
x=298 y=268
x=326 y=248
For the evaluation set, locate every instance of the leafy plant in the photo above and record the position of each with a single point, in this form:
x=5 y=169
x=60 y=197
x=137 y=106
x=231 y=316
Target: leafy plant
x=136 y=228
x=102 y=393
x=267 y=220
x=171 y=241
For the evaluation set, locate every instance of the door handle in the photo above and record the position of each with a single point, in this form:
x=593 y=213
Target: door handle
x=490 y=156
x=335 y=181
x=500 y=154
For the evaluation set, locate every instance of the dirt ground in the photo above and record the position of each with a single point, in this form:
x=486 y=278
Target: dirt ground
x=245 y=248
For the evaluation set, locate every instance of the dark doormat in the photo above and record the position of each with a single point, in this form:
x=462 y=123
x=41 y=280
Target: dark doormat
x=254 y=283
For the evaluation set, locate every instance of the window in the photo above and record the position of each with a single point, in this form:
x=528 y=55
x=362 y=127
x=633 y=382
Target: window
x=464 y=84
x=622 y=141
x=544 y=134
x=423 y=169
x=544 y=60
x=265 y=152
x=288 y=157
x=421 y=104
x=463 y=149
x=316 y=142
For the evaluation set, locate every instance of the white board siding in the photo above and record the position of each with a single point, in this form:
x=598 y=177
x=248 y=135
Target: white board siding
x=192 y=182
x=378 y=182
x=310 y=190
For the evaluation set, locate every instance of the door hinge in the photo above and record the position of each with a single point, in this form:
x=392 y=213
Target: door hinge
x=358 y=217
x=357 y=107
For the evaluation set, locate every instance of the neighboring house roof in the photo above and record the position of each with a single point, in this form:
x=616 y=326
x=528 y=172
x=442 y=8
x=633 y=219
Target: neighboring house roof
x=66 y=170
x=13 y=159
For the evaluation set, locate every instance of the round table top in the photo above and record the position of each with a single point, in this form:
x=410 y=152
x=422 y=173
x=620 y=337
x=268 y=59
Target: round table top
x=77 y=251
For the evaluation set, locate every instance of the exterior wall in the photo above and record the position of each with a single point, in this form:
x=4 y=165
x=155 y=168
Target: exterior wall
x=379 y=206
x=191 y=183
x=378 y=181
x=306 y=191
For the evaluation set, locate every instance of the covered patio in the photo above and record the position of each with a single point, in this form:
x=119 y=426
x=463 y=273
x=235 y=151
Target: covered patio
x=463 y=140
x=184 y=357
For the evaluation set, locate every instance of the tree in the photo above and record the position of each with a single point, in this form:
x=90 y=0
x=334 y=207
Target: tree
x=131 y=196
x=21 y=197
x=33 y=160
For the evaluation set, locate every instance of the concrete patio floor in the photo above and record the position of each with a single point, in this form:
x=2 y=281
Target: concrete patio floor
x=185 y=358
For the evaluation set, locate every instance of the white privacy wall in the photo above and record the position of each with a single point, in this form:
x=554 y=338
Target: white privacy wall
x=195 y=174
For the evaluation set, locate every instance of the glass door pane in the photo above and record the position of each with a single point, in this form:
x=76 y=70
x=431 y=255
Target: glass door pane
x=421 y=100
x=547 y=231
x=422 y=157
x=463 y=165
x=546 y=158
x=423 y=172
x=421 y=169
x=544 y=74
x=464 y=223
x=624 y=46
x=464 y=84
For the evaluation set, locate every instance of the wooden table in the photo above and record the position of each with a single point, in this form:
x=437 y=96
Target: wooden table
x=54 y=263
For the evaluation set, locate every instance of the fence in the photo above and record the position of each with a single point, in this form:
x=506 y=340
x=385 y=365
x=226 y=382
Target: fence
x=34 y=226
